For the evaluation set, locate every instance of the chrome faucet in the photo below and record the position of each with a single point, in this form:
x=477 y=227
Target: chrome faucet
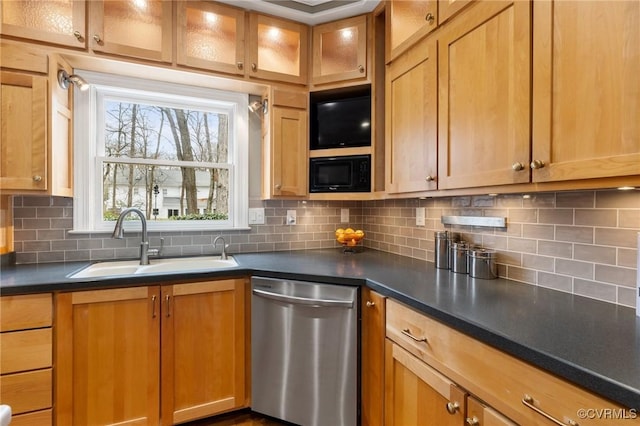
x=145 y=251
x=223 y=254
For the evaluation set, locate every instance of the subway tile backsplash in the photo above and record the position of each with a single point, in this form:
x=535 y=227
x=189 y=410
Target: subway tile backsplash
x=581 y=242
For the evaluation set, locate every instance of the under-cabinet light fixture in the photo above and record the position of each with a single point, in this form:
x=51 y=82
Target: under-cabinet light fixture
x=64 y=79
x=259 y=106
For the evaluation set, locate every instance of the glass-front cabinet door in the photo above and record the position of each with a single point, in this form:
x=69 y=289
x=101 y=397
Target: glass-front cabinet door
x=278 y=49
x=52 y=21
x=134 y=28
x=211 y=36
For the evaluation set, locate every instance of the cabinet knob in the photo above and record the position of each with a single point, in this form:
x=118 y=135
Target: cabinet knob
x=254 y=67
x=537 y=164
x=37 y=178
x=77 y=35
x=430 y=18
x=472 y=421
x=360 y=68
x=97 y=38
x=517 y=166
x=430 y=178
x=453 y=407
x=370 y=304
x=278 y=187
x=240 y=65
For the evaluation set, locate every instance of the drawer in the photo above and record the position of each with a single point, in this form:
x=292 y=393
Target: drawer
x=500 y=380
x=25 y=350
x=26 y=392
x=36 y=418
x=24 y=312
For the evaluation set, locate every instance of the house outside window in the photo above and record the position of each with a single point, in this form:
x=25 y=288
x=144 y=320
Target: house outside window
x=160 y=147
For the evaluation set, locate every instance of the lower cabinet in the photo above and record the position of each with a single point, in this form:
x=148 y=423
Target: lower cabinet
x=150 y=355
x=372 y=359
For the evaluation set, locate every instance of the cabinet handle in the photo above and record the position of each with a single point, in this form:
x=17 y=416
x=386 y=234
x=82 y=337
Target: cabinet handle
x=361 y=68
x=472 y=421
x=430 y=18
x=537 y=164
x=37 y=178
x=517 y=166
x=167 y=300
x=430 y=178
x=240 y=65
x=407 y=333
x=278 y=187
x=453 y=407
x=370 y=304
x=97 y=38
x=153 y=306
x=528 y=401
x=254 y=67
x=77 y=35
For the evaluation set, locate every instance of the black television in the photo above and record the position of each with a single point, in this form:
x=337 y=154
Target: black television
x=340 y=121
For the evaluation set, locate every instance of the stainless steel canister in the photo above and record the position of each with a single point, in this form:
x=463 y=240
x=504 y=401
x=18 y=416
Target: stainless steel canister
x=442 y=249
x=482 y=264
x=460 y=261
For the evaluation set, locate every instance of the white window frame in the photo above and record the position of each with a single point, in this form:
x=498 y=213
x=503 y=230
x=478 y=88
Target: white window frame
x=89 y=147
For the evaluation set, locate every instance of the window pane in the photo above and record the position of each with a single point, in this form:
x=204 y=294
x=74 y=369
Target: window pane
x=136 y=130
x=165 y=193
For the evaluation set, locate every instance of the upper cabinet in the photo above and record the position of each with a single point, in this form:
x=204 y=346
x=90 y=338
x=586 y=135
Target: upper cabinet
x=586 y=90
x=135 y=28
x=408 y=22
x=340 y=50
x=277 y=49
x=58 y=22
x=211 y=36
x=484 y=96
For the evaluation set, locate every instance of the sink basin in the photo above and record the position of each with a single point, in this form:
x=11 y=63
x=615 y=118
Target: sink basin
x=156 y=266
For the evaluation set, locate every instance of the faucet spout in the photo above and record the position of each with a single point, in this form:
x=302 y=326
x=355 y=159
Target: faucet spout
x=118 y=232
x=223 y=254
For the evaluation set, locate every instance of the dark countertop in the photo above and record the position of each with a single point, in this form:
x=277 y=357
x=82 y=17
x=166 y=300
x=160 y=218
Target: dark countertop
x=588 y=342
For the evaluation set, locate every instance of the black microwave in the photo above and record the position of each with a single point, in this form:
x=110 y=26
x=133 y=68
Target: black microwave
x=340 y=174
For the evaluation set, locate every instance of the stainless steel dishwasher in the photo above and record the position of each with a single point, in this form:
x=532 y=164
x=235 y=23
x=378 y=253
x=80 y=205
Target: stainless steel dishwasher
x=304 y=345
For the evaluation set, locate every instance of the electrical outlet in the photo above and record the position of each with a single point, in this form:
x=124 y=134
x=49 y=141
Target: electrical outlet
x=291 y=217
x=344 y=215
x=420 y=216
x=256 y=216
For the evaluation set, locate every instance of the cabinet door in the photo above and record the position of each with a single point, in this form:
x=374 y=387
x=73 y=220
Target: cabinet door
x=108 y=357
x=135 y=28
x=411 y=120
x=416 y=394
x=340 y=50
x=372 y=383
x=203 y=353
x=278 y=49
x=409 y=21
x=586 y=90
x=59 y=22
x=288 y=154
x=479 y=414
x=210 y=36
x=484 y=83
x=23 y=127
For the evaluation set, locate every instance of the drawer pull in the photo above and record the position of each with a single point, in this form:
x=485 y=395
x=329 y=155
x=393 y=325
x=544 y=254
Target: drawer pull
x=527 y=400
x=473 y=421
x=407 y=333
x=453 y=407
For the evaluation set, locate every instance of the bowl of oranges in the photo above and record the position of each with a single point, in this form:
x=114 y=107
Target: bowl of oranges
x=349 y=238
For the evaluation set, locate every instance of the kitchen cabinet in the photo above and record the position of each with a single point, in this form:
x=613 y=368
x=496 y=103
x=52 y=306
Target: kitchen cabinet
x=36 y=137
x=585 y=112
x=57 y=22
x=339 y=51
x=285 y=145
x=211 y=36
x=408 y=21
x=484 y=96
x=513 y=388
x=140 y=29
x=411 y=120
x=118 y=337
x=26 y=357
x=278 y=49
x=372 y=361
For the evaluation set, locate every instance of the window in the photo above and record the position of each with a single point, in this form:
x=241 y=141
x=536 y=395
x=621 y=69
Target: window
x=163 y=148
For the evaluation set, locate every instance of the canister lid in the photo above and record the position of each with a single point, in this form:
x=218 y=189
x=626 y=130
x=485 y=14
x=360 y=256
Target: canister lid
x=441 y=234
x=460 y=245
x=482 y=253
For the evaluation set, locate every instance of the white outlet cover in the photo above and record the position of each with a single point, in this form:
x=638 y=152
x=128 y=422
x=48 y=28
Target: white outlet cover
x=256 y=216
x=420 y=216
x=291 y=217
x=344 y=215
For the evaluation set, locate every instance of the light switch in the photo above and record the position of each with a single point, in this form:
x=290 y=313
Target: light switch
x=344 y=215
x=420 y=216
x=256 y=216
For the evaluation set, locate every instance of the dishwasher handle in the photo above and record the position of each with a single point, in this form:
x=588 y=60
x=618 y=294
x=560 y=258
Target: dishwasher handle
x=304 y=300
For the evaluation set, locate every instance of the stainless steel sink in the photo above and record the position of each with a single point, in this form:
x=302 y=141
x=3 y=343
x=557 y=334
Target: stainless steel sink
x=157 y=266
